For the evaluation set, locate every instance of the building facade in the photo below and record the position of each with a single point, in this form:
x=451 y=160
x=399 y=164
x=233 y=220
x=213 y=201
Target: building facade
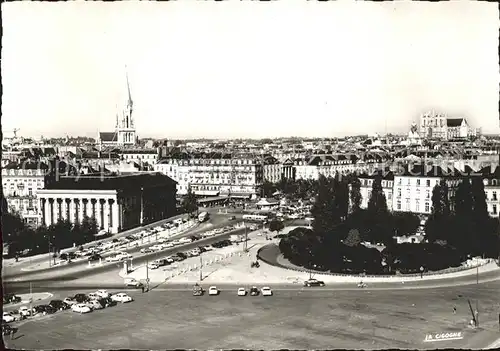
x=214 y=174
x=435 y=125
x=366 y=181
x=21 y=183
x=413 y=187
x=116 y=202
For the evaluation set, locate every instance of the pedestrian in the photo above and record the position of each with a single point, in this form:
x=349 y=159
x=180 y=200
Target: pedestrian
x=454 y=310
x=142 y=288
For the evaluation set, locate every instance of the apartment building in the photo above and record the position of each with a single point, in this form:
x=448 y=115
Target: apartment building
x=413 y=186
x=491 y=181
x=214 y=174
x=21 y=183
x=367 y=185
x=326 y=165
x=139 y=156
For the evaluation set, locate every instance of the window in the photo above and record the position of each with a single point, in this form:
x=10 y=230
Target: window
x=427 y=194
x=417 y=205
x=409 y=181
x=494 y=209
x=494 y=195
x=418 y=182
x=427 y=207
x=400 y=181
x=399 y=192
x=407 y=208
x=399 y=205
x=428 y=182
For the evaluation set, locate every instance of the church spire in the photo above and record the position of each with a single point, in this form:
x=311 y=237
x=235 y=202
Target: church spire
x=130 y=103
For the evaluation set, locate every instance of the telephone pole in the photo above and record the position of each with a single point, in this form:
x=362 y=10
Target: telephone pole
x=147 y=276
x=245 y=244
x=201 y=268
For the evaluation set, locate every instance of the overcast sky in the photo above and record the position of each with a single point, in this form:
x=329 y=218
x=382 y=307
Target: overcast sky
x=246 y=69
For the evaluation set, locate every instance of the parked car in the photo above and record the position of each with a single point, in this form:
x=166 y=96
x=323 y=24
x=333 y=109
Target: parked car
x=107 y=302
x=121 y=297
x=46 y=309
x=102 y=293
x=198 y=290
x=81 y=308
x=8 y=317
x=81 y=298
x=213 y=291
x=242 y=292
x=7 y=329
x=59 y=305
x=266 y=291
x=95 y=305
x=313 y=282
x=95 y=257
x=11 y=298
x=25 y=311
x=146 y=250
x=254 y=291
x=93 y=296
x=70 y=301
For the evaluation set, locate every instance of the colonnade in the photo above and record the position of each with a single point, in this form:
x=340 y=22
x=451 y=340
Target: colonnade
x=106 y=211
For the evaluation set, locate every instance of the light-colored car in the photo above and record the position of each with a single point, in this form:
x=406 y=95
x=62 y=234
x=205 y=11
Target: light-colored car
x=213 y=290
x=103 y=293
x=266 y=291
x=208 y=248
x=95 y=305
x=132 y=282
x=81 y=308
x=24 y=311
x=242 y=292
x=69 y=301
x=93 y=296
x=146 y=250
x=121 y=297
x=156 y=247
x=113 y=258
x=8 y=318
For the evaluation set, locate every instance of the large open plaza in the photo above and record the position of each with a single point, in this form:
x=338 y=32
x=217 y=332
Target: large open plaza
x=291 y=319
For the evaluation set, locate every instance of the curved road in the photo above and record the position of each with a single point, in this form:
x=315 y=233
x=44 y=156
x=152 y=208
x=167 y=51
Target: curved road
x=83 y=264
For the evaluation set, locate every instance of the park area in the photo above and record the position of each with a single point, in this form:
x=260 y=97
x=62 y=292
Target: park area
x=291 y=319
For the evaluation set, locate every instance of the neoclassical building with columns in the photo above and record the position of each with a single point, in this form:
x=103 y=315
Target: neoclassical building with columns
x=117 y=202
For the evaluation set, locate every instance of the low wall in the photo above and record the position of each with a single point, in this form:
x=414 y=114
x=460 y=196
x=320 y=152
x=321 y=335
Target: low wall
x=450 y=272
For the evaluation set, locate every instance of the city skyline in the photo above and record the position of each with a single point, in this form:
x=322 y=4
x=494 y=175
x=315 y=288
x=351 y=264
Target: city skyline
x=247 y=71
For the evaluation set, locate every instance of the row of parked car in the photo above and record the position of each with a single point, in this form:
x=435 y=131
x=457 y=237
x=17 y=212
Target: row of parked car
x=80 y=303
x=95 y=252
x=11 y=298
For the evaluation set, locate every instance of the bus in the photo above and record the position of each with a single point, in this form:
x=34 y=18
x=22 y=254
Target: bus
x=255 y=217
x=203 y=216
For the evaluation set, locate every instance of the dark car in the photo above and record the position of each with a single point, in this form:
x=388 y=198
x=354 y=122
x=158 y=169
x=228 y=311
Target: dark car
x=45 y=309
x=11 y=298
x=95 y=257
x=7 y=329
x=313 y=282
x=107 y=302
x=182 y=255
x=254 y=291
x=59 y=305
x=81 y=298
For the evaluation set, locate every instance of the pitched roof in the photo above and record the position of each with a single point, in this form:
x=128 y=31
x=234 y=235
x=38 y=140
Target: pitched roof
x=454 y=122
x=107 y=136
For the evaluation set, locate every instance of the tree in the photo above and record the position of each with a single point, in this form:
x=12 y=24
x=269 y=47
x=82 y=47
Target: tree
x=479 y=206
x=437 y=226
x=353 y=238
x=268 y=189
x=325 y=209
x=190 y=203
x=341 y=192
x=355 y=194
x=377 y=204
x=463 y=199
x=276 y=225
